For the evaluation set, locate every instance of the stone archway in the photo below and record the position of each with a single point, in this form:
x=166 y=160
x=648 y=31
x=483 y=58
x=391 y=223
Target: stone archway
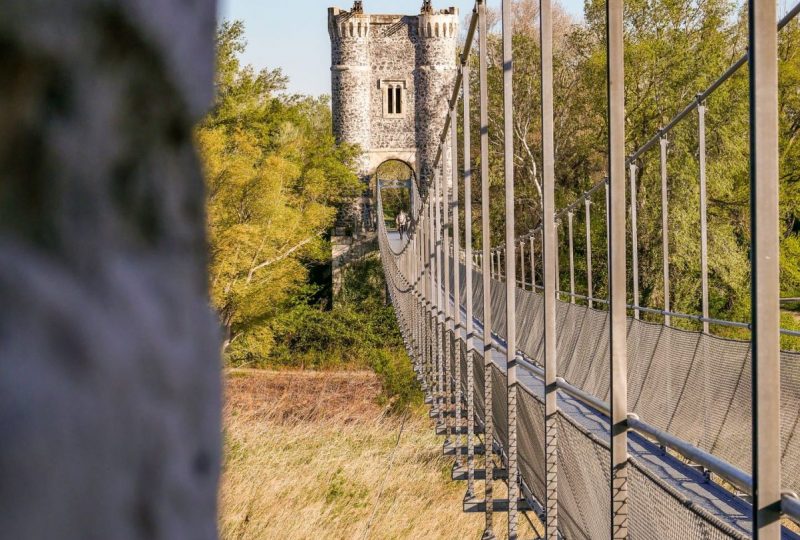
x=398 y=180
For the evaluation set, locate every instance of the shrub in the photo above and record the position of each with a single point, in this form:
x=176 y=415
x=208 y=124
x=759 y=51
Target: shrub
x=398 y=380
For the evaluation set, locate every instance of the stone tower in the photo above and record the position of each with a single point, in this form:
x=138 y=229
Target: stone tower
x=391 y=79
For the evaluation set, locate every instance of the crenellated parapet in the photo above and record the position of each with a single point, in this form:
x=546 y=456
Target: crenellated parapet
x=443 y=24
x=348 y=25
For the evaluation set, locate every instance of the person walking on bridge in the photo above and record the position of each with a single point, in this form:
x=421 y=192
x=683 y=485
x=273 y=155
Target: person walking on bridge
x=401 y=221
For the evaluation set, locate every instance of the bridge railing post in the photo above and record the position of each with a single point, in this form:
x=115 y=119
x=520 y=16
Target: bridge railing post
x=415 y=311
x=701 y=128
x=447 y=342
x=589 y=285
x=429 y=300
x=634 y=240
x=557 y=257
x=615 y=189
x=765 y=260
x=423 y=293
x=499 y=266
x=418 y=258
x=488 y=257
x=439 y=295
x=533 y=262
x=570 y=217
x=541 y=242
x=665 y=229
x=511 y=269
x=434 y=300
x=468 y=259
x=550 y=273
x=456 y=282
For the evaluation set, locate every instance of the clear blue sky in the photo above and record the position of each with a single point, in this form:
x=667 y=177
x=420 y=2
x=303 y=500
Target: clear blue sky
x=293 y=34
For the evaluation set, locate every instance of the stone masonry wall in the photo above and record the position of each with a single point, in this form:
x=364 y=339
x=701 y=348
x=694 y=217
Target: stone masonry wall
x=109 y=354
x=392 y=54
x=419 y=50
x=436 y=57
x=351 y=80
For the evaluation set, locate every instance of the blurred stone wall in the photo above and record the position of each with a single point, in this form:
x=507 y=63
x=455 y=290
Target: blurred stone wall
x=109 y=354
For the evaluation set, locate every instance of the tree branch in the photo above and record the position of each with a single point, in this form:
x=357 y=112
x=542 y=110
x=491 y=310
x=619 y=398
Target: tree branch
x=280 y=257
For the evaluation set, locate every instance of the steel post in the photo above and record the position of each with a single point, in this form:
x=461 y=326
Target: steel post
x=557 y=244
x=617 y=270
x=440 y=320
x=447 y=345
x=432 y=364
x=608 y=239
x=589 y=287
x=701 y=120
x=468 y=284
x=550 y=273
x=765 y=260
x=456 y=283
x=488 y=345
x=634 y=240
x=533 y=264
x=571 y=260
x=665 y=229
x=511 y=271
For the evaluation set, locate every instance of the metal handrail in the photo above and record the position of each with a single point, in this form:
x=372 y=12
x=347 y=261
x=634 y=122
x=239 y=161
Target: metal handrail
x=736 y=477
x=790 y=504
x=728 y=472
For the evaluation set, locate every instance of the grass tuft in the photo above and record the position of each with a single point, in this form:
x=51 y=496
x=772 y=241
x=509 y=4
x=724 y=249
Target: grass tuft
x=315 y=455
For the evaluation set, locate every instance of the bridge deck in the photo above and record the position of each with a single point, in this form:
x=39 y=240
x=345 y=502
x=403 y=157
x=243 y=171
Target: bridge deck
x=395 y=242
x=686 y=480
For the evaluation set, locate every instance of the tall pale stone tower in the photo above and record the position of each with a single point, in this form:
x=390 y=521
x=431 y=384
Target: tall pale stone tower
x=391 y=78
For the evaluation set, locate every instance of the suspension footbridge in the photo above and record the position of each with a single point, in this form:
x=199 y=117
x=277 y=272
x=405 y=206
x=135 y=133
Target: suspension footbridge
x=599 y=415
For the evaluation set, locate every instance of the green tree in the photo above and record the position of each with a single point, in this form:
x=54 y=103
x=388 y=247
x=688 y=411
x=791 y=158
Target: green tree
x=275 y=178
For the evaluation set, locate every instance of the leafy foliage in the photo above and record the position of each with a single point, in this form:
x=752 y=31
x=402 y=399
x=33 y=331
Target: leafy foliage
x=673 y=50
x=275 y=178
x=359 y=332
x=394 y=200
x=275 y=181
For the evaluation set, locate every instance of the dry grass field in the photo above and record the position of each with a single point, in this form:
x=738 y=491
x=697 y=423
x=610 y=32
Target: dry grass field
x=313 y=455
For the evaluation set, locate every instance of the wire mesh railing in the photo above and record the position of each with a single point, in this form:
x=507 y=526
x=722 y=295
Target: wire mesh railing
x=596 y=418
